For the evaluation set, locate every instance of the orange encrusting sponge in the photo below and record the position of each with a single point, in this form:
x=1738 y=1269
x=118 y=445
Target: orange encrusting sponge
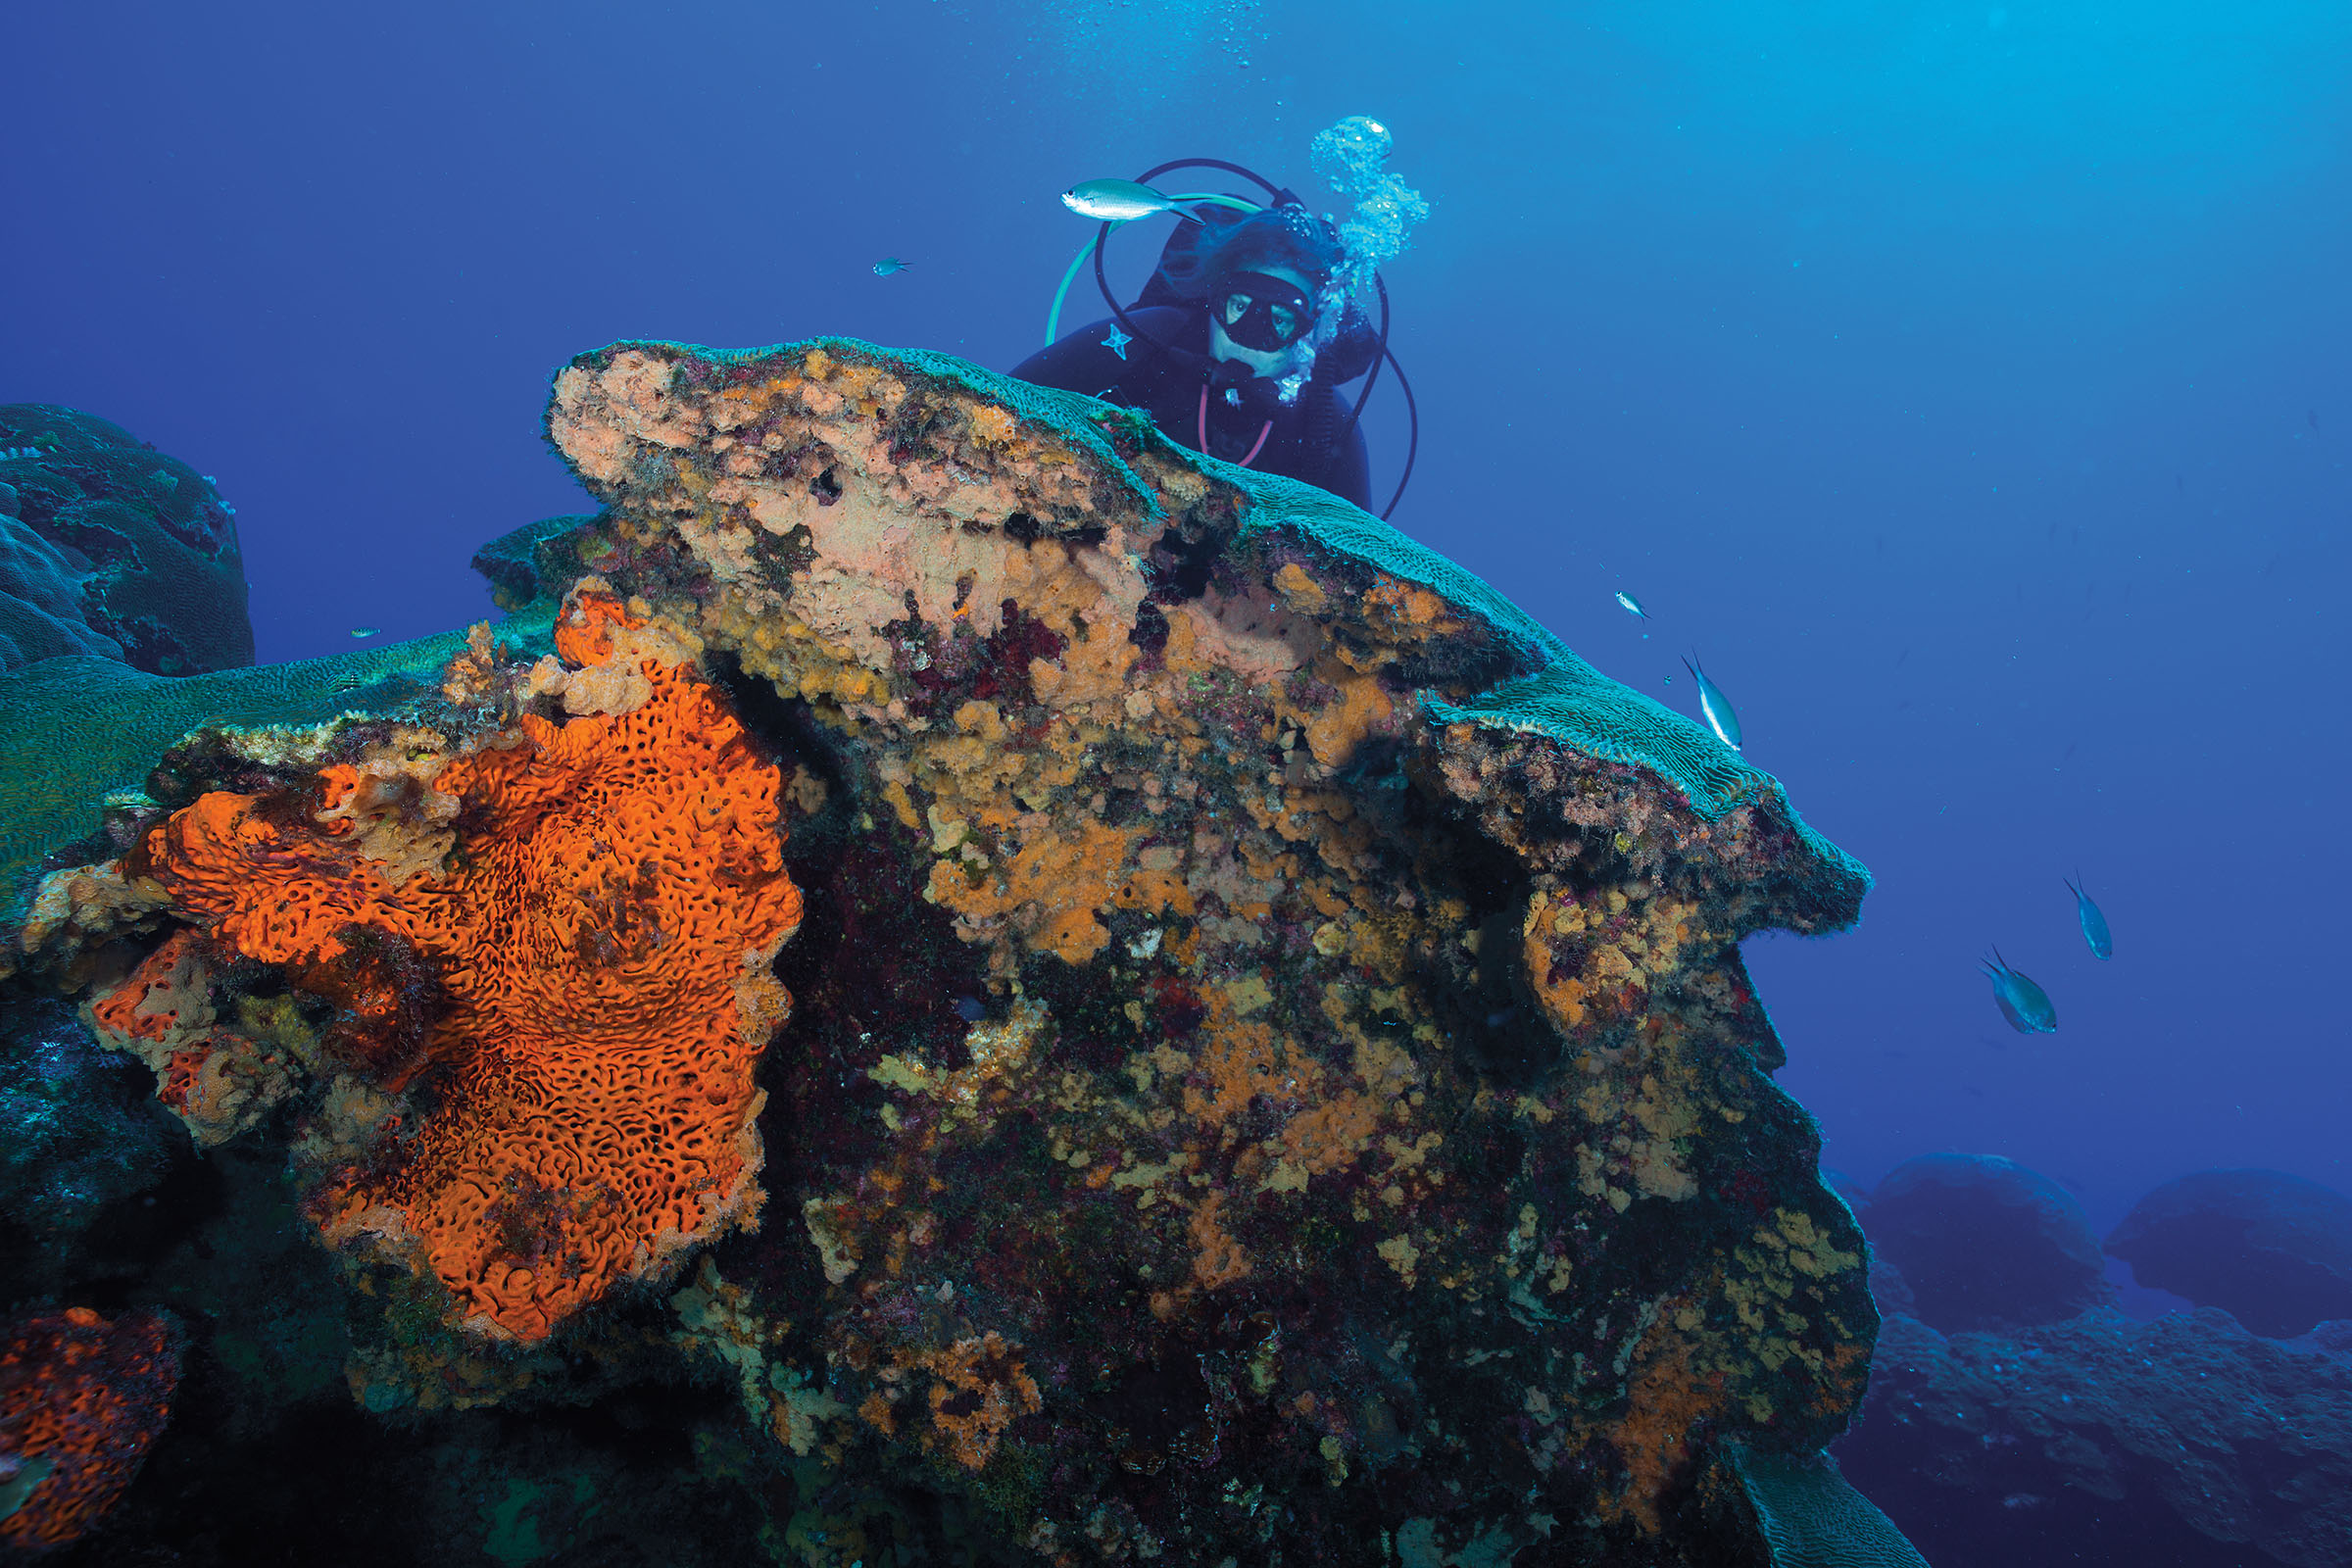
x=602 y=934
x=83 y=1398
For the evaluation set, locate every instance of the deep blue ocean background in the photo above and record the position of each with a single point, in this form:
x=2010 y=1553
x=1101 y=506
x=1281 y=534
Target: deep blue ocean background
x=1968 y=386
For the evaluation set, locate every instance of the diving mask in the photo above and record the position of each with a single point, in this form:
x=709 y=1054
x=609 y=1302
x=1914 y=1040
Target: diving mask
x=1261 y=311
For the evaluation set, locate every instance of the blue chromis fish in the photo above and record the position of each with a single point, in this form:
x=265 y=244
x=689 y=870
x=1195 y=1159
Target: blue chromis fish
x=2094 y=925
x=889 y=264
x=1716 y=707
x=2024 y=1004
x=1633 y=606
x=1114 y=201
x=366 y=631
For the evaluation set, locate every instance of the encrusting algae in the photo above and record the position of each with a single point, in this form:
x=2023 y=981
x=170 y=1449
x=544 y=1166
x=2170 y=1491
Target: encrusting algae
x=1254 y=1084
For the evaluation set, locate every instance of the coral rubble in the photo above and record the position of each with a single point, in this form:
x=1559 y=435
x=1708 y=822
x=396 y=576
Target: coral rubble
x=1272 y=1070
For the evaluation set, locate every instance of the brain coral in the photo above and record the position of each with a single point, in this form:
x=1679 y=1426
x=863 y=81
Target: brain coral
x=601 y=934
x=72 y=729
x=80 y=1400
x=1812 y=1517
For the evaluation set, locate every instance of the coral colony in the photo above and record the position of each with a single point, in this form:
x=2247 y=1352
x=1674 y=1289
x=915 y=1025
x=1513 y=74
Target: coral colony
x=1111 y=1006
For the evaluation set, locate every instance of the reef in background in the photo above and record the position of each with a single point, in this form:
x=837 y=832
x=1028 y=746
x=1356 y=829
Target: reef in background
x=2014 y=1415
x=2272 y=1249
x=1981 y=1243
x=2186 y=1440
x=1269 y=1070
x=111 y=549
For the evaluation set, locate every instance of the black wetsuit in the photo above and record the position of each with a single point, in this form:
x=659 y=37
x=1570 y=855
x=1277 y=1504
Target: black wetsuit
x=1309 y=439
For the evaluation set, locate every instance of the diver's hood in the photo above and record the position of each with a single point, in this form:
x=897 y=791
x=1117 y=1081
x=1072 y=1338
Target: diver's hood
x=1177 y=280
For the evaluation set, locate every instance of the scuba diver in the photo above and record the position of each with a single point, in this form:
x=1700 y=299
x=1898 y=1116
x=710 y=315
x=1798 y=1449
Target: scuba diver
x=1240 y=342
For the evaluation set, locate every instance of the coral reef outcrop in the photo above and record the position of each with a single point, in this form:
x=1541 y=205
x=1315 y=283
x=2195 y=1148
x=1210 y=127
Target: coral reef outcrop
x=1271 y=1071
x=110 y=548
x=42 y=613
x=1311 y=1088
x=2273 y=1250
x=1982 y=1243
x=79 y=1139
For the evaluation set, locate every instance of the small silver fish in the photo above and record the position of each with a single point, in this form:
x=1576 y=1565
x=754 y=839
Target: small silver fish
x=366 y=631
x=2094 y=925
x=889 y=264
x=1633 y=606
x=1716 y=707
x=2026 y=1005
x=1114 y=201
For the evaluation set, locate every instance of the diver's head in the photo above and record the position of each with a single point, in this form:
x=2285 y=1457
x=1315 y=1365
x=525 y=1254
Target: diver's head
x=1257 y=318
x=1265 y=281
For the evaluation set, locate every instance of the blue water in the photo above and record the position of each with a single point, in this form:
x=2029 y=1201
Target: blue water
x=1965 y=385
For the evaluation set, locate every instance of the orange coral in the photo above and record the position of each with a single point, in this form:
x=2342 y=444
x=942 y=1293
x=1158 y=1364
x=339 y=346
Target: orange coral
x=1218 y=1260
x=981 y=1390
x=1053 y=888
x=214 y=1080
x=162 y=995
x=1669 y=1402
x=601 y=946
x=585 y=632
x=81 y=1398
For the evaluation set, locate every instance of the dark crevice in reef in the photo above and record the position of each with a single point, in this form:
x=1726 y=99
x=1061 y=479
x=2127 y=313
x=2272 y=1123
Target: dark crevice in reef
x=327 y=1482
x=1483 y=998
x=1181 y=561
x=783 y=728
x=1150 y=635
